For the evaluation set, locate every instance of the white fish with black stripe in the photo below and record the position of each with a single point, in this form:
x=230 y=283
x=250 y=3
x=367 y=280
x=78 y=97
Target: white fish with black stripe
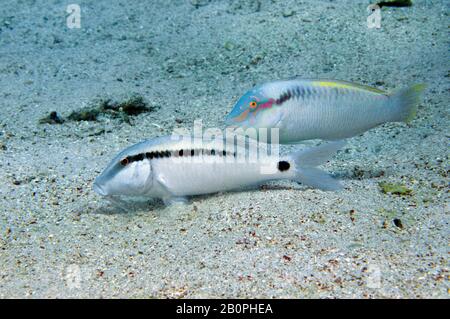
x=172 y=168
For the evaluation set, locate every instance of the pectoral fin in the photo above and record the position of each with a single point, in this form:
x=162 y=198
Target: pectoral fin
x=168 y=197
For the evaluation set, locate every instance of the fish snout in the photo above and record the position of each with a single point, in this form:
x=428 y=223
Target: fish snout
x=237 y=118
x=230 y=120
x=99 y=189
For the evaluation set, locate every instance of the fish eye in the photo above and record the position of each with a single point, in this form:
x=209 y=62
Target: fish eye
x=125 y=161
x=253 y=104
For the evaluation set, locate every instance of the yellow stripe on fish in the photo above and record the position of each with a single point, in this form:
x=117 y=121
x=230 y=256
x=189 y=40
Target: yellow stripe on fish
x=346 y=85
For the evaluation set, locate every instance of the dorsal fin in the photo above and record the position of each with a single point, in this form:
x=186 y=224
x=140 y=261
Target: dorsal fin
x=340 y=84
x=347 y=84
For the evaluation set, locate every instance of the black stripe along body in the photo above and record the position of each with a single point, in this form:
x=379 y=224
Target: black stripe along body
x=177 y=153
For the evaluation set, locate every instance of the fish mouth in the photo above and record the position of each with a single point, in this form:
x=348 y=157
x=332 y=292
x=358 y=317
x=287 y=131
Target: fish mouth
x=242 y=117
x=229 y=121
x=99 y=189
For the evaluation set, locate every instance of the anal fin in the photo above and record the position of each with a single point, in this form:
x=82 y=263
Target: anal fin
x=175 y=200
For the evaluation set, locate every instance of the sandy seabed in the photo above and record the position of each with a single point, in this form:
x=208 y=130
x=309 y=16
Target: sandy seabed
x=192 y=60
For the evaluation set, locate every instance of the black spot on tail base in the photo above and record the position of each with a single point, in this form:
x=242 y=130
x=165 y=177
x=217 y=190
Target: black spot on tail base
x=283 y=166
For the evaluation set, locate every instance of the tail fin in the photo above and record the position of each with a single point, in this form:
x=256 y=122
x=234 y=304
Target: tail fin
x=405 y=102
x=307 y=160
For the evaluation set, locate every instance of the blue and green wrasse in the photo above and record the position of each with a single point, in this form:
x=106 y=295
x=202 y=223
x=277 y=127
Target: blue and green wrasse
x=322 y=109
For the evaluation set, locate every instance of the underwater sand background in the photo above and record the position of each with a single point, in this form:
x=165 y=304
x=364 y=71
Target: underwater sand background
x=60 y=239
